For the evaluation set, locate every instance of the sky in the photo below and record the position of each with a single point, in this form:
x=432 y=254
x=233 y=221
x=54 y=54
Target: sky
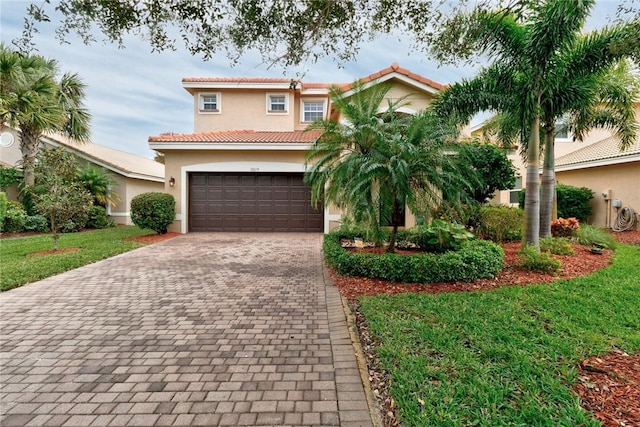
x=133 y=93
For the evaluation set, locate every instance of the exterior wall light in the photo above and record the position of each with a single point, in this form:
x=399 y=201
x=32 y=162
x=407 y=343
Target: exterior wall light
x=172 y=182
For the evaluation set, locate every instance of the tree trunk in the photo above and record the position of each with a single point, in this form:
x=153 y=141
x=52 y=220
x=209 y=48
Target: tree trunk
x=395 y=220
x=531 y=231
x=29 y=145
x=548 y=188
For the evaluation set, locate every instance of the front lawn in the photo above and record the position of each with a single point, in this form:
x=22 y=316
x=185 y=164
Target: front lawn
x=507 y=356
x=18 y=268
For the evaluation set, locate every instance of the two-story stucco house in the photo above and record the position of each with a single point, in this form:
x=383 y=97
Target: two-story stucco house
x=242 y=167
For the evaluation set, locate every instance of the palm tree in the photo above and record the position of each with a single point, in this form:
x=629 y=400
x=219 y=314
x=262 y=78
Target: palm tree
x=377 y=158
x=99 y=183
x=541 y=67
x=32 y=100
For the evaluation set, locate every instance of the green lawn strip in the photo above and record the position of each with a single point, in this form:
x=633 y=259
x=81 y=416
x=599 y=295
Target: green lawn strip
x=504 y=357
x=17 y=268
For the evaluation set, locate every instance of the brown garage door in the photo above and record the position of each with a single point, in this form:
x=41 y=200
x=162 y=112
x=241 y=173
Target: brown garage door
x=251 y=202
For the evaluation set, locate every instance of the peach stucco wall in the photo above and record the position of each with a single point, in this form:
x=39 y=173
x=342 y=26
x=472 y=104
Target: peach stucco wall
x=623 y=180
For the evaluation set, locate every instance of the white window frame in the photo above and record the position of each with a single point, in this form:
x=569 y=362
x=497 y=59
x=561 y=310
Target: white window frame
x=558 y=126
x=312 y=101
x=515 y=191
x=270 y=97
x=201 y=97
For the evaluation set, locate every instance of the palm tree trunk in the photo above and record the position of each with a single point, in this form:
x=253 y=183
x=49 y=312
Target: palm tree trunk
x=531 y=232
x=29 y=144
x=548 y=188
x=395 y=221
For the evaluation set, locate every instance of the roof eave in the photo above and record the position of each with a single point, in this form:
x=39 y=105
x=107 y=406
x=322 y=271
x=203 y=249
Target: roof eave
x=233 y=146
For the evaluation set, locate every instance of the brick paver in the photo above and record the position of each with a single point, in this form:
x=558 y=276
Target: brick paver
x=203 y=329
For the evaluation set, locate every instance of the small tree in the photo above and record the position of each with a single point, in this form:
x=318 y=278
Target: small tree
x=155 y=211
x=99 y=183
x=58 y=195
x=487 y=168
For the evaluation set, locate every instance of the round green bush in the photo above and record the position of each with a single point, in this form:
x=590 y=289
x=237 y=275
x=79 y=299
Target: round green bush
x=500 y=223
x=15 y=218
x=98 y=218
x=475 y=259
x=154 y=211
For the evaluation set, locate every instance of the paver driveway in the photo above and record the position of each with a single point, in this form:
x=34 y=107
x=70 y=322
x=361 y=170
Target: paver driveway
x=203 y=329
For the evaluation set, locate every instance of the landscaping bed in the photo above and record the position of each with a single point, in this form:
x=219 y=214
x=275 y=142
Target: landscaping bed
x=608 y=384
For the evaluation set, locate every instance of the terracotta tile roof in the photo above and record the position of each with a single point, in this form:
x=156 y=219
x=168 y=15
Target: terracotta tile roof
x=234 y=80
x=605 y=149
x=240 y=136
x=396 y=68
x=121 y=161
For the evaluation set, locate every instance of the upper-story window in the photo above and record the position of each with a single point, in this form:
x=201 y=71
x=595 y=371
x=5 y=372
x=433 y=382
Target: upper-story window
x=277 y=103
x=562 y=132
x=313 y=110
x=209 y=102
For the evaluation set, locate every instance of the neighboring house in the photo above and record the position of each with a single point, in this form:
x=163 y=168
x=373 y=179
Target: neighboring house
x=242 y=168
x=133 y=174
x=596 y=163
x=612 y=174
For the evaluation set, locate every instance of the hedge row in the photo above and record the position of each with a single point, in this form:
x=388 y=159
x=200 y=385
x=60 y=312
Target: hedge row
x=475 y=260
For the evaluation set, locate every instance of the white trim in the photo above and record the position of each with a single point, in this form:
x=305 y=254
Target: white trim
x=236 y=85
x=229 y=146
x=314 y=91
x=601 y=162
x=395 y=75
x=199 y=99
x=101 y=163
x=328 y=218
x=271 y=112
x=313 y=101
x=119 y=214
x=256 y=167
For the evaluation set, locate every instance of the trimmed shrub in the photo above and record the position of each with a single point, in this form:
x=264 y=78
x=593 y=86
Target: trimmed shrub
x=154 y=211
x=556 y=245
x=531 y=259
x=37 y=223
x=589 y=235
x=564 y=227
x=98 y=218
x=573 y=202
x=474 y=260
x=15 y=218
x=501 y=223
x=3 y=207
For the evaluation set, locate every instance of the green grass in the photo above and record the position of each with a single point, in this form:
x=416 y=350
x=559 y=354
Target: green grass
x=504 y=357
x=16 y=268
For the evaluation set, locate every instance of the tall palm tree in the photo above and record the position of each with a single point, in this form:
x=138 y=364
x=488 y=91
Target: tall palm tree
x=542 y=64
x=378 y=158
x=32 y=100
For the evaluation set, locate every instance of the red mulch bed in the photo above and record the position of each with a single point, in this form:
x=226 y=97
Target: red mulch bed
x=581 y=263
x=54 y=251
x=609 y=384
x=153 y=238
x=609 y=387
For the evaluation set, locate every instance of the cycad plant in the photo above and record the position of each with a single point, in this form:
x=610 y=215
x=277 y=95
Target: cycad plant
x=99 y=183
x=376 y=158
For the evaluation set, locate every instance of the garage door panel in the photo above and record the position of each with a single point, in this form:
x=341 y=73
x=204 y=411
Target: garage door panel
x=251 y=202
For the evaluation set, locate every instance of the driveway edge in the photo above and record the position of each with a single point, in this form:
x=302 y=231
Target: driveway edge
x=344 y=320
